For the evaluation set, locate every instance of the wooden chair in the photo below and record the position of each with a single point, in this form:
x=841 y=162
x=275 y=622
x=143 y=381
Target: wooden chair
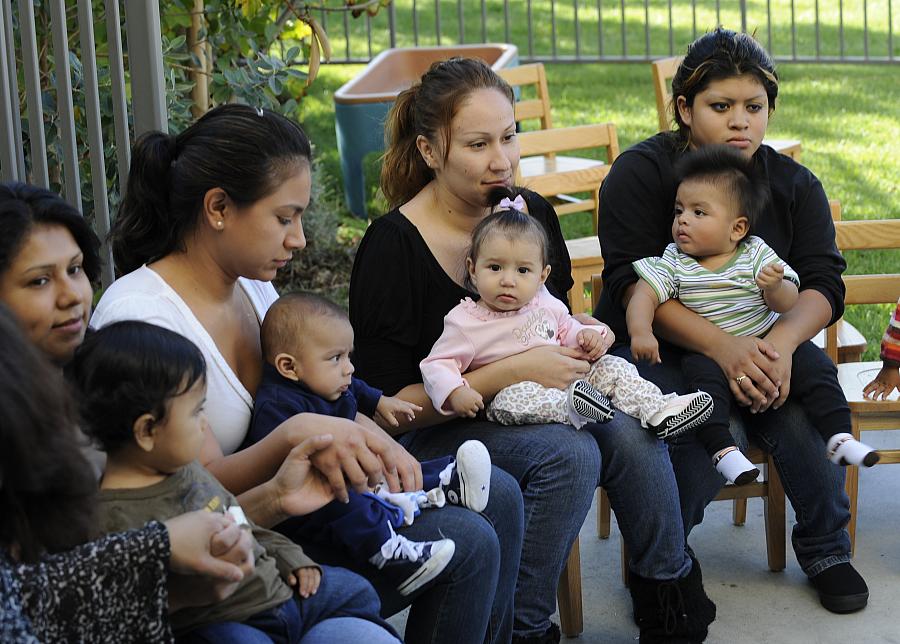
x=530 y=76
x=538 y=164
x=770 y=490
x=663 y=70
x=866 y=289
x=584 y=252
x=851 y=343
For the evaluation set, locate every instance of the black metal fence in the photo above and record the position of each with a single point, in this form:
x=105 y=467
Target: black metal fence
x=850 y=31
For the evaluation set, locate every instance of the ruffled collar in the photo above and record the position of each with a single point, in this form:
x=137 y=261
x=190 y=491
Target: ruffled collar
x=485 y=314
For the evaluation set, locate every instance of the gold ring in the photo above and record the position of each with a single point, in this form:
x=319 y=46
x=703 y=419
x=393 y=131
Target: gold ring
x=740 y=379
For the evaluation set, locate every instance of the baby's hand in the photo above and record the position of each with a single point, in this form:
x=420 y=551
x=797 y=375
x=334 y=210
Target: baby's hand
x=769 y=278
x=592 y=342
x=465 y=401
x=305 y=581
x=645 y=347
x=388 y=407
x=884 y=384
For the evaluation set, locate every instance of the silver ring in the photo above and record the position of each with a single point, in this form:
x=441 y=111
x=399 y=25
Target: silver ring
x=740 y=379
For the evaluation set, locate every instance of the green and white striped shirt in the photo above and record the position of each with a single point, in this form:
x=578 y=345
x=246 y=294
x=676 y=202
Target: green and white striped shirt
x=728 y=296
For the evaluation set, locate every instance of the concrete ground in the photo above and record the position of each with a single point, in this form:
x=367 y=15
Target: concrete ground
x=754 y=604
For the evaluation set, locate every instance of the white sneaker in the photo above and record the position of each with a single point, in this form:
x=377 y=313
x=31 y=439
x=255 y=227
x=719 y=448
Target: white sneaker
x=429 y=558
x=468 y=483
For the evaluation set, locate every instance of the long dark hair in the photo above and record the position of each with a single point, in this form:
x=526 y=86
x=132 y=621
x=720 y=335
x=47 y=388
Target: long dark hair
x=718 y=55
x=426 y=109
x=22 y=207
x=245 y=151
x=47 y=487
x=128 y=369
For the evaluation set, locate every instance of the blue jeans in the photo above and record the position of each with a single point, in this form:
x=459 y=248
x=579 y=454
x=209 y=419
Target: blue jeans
x=344 y=603
x=643 y=492
x=813 y=485
x=556 y=467
x=472 y=599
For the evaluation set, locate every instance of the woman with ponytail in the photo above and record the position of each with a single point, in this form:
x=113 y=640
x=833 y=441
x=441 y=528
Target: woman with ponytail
x=209 y=217
x=452 y=151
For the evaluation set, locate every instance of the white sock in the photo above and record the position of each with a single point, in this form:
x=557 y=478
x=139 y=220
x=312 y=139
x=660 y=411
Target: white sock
x=733 y=465
x=843 y=449
x=447 y=473
x=409 y=502
x=434 y=499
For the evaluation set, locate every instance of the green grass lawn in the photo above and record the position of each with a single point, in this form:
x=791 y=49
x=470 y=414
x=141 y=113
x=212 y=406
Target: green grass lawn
x=847 y=117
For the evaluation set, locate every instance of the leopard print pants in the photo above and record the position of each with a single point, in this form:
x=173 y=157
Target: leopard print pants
x=528 y=403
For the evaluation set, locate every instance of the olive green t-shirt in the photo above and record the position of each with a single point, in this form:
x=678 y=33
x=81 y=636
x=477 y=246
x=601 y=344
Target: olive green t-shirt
x=193 y=488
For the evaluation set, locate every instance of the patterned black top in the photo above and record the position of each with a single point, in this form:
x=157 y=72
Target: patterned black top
x=109 y=590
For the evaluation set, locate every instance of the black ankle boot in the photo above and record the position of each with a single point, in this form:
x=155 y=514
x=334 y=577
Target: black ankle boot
x=674 y=611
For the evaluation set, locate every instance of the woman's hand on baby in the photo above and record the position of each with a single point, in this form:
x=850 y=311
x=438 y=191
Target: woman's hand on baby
x=887 y=380
x=465 y=402
x=199 y=542
x=210 y=556
x=299 y=487
x=553 y=366
x=305 y=581
x=401 y=470
x=753 y=358
x=354 y=455
x=645 y=347
x=390 y=407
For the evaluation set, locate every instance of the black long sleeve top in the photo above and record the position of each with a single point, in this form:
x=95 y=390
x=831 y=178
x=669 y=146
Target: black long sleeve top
x=399 y=295
x=636 y=209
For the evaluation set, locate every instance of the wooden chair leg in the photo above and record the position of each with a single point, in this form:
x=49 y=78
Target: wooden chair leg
x=603 y=514
x=851 y=486
x=568 y=595
x=773 y=504
x=739 y=511
x=625 y=571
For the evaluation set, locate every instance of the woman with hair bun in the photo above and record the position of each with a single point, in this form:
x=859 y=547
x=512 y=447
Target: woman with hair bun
x=724 y=92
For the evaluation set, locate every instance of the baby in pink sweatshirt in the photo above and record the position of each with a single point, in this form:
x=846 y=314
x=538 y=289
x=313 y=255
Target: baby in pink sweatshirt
x=508 y=264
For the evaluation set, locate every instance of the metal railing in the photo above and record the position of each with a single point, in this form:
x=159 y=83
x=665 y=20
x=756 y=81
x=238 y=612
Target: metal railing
x=47 y=99
x=830 y=31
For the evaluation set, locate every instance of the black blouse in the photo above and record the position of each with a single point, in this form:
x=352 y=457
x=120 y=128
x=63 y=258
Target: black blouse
x=636 y=205
x=399 y=295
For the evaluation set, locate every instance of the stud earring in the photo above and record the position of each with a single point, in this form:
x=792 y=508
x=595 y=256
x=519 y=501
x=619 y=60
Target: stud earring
x=220 y=223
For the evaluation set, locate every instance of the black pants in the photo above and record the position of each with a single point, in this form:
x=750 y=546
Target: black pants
x=814 y=384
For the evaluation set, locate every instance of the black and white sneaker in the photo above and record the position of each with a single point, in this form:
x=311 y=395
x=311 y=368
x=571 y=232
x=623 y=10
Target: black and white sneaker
x=587 y=405
x=469 y=483
x=429 y=558
x=680 y=415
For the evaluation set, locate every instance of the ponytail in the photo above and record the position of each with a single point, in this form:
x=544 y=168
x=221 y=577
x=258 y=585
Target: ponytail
x=143 y=231
x=403 y=171
x=247 y=152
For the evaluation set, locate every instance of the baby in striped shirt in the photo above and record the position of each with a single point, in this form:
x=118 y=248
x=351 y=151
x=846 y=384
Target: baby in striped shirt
x=888 y=378
x=736 y=281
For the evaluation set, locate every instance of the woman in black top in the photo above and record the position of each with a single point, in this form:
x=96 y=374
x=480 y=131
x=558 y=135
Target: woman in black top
x=724 y=92
x=452 y=142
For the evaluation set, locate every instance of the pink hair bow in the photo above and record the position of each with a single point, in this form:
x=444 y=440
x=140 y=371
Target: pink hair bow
x=517 y=204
